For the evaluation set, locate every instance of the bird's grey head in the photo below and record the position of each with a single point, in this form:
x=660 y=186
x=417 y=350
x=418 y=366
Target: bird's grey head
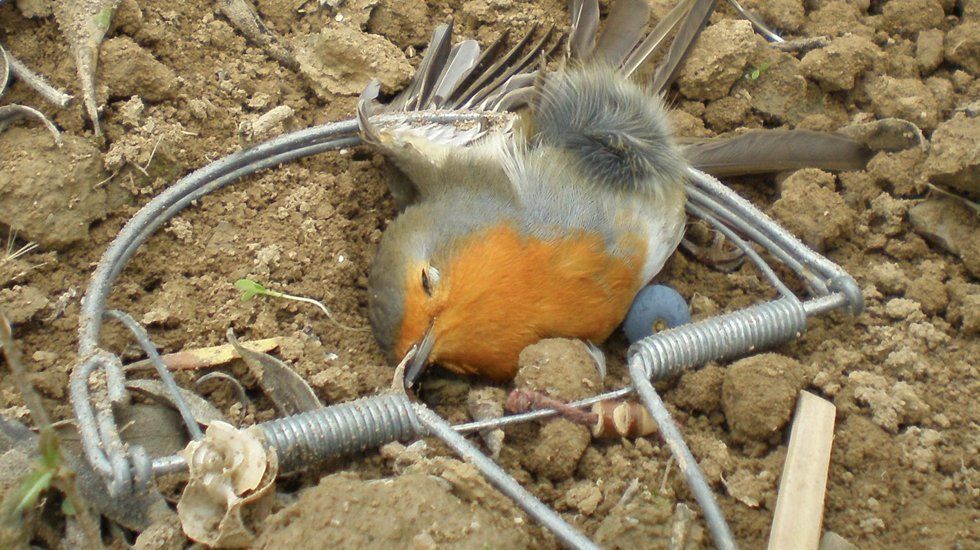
x=414 y=260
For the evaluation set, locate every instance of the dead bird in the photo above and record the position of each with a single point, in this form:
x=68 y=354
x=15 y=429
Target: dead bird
x=549 y=210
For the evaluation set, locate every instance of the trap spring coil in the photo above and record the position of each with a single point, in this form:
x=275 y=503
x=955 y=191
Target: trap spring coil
x=348 y=428
x=721 y=337
x=366 y=423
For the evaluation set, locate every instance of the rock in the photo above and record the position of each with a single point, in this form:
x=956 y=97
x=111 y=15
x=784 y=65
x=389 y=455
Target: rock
x=783 y=15
x=905 y=98
x=837 y=18
x=891 y=404
x=128 y=70
x=928 y=288
x=278 y=15
x=944 y=91
x=556 y=451
x=727 y=113
x=899 y=309
x=48 y=194
x=341 y=60
x=963 y=46
x=343 y=512
x=954 y=158
x=889 y=278
x=862 y=5
x=949 y=224
x=911 y=16
x=971 y=314
x=687 y=125
x=563 y=369
x=700 y=390
x=643 y=521
x=921 y=448
x=758 y=396
x=404 y=22
x=21 y=304
x=900 y=171
x=38 y=9
x=749 y=488
x=585 y=497
x=814 y=212
x=781 y=90
x=889 y=134
x=838 y=65
x=718 y=60
x=929 y=50
x=128 y=18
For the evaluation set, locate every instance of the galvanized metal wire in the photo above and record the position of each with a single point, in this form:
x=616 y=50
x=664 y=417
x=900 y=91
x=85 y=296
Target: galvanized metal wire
x=309 y=438
x=720 y=532
x=368 y=423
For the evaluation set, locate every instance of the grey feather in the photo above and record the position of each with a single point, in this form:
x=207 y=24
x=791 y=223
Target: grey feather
x=487 y=63
x=518 y=67
x=365 y=108
x=462 y=60
x=767 y=151
x=617 y=132
x=624 y=28
x=585 y=23
x=432 y=63
x=653 y=41
x=683 y=43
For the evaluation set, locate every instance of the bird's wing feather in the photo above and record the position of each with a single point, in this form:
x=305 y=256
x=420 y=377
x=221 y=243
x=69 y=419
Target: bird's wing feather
x=767 y=151
x=623 y=30
x=462 y=79
x=696 y=17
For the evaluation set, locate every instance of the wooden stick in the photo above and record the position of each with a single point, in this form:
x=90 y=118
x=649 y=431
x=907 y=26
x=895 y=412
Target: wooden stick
x=796 y=525
x=202 y=358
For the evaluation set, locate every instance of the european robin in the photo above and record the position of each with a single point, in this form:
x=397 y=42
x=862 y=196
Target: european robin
x=545 y=217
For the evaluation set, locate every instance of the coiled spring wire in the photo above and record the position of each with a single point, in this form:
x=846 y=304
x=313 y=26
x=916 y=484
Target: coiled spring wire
x=367 y=423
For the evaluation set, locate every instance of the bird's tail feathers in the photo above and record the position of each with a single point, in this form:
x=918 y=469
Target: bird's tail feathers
x=767 y=151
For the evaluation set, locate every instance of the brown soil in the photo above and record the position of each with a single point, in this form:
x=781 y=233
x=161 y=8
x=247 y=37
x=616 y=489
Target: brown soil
x=177 y=82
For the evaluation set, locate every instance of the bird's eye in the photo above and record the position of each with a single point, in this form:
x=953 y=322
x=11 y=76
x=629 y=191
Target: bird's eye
x=430 y=277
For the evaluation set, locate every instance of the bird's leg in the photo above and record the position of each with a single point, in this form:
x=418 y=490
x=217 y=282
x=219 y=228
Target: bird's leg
x=520 y=401
x=718 y=254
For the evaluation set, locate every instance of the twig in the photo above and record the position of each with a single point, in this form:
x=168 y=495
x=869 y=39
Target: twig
x=802 y=45
x=37 y=82
x=152 y=154
x=202 y=358
x=62 y=477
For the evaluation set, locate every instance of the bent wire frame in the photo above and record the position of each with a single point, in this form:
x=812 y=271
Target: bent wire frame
x=370 y=422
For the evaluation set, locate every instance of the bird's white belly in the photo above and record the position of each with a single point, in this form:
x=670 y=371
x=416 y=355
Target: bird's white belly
x=664 y=229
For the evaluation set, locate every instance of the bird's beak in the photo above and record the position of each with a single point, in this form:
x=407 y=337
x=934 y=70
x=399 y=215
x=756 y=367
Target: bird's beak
x=421 y=359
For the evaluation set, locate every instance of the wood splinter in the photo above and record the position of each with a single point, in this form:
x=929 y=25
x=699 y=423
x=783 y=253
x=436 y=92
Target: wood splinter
x=609 y=418
x=797 y=521
x=622 y=419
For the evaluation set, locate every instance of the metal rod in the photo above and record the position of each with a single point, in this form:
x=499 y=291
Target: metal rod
x=688 y=465
x=502 y=480
x=168 y=379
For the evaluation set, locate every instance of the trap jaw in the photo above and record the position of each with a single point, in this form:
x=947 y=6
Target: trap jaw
x=368 y=423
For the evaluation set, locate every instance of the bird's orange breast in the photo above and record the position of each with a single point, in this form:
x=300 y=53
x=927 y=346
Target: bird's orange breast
x=504 y=291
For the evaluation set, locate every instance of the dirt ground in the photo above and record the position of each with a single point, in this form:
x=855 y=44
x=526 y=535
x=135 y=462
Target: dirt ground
x=180 y=86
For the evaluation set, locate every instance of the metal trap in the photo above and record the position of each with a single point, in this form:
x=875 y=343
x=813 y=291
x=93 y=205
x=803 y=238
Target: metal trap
x=98 y=381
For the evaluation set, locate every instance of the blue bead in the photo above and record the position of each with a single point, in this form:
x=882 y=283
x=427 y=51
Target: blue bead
x=655 y=305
